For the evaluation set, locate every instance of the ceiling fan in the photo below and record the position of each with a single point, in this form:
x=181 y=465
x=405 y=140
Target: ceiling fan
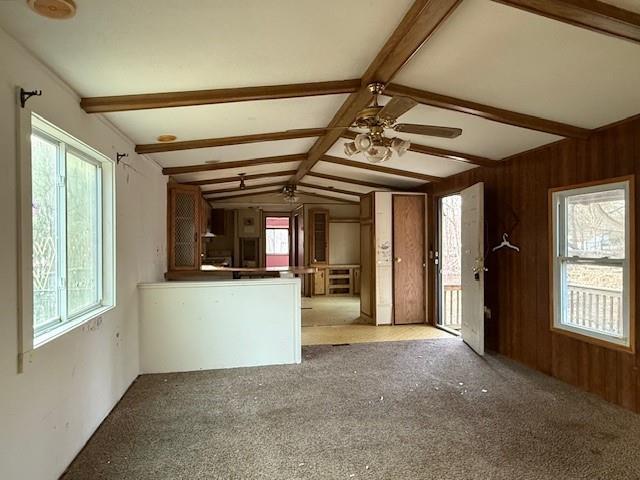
x=376 y=118
x=289 y=193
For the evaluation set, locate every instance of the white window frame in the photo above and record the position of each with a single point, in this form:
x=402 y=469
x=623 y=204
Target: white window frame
x=559 y=258
x=30 y=339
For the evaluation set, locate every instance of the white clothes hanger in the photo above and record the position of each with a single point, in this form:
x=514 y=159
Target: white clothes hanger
x=506 y=244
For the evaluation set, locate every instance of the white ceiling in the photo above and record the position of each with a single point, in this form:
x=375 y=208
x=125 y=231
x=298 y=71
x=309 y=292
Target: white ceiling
x=366 y=175
x=117 y=47
x=232 y=153
x=485 y=52
x=506 y=57
x=351 y=198
x=197 y=176
x=228 y=119
x=248 y=183
x=350 y=187
x=631 y=5
x=257 y=191
x=270 y=200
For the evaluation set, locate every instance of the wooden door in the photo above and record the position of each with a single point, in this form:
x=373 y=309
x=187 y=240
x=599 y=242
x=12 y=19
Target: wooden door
x=184 y=227
x=409 y=275
x=472 y=266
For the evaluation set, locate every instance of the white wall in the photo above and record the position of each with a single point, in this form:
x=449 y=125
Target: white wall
x=344 y=243
x=69 y=385
x=222 y=324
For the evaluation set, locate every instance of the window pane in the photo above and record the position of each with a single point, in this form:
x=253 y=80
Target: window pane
x=82 y=234
x=596 y=224
x=277 y=241
x=593 y=298
x=44 y=205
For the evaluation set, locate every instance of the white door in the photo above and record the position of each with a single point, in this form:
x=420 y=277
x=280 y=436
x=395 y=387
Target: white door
x=472 y=266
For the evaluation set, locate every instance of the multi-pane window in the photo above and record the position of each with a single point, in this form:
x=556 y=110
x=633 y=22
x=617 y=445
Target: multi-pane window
x=591 y=261
x=67 y=206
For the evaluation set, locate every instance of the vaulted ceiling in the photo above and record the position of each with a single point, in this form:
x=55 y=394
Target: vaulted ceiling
x=257 y=86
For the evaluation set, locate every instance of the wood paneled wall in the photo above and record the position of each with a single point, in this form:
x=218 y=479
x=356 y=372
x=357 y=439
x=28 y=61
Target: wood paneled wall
x=517 y=284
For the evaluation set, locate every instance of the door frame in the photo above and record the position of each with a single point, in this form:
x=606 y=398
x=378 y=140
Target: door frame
x=437 y=283
x=426 y=256
x=263 y=234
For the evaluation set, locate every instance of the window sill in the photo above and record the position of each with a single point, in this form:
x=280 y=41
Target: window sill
x=583 y=336
x=57 y=332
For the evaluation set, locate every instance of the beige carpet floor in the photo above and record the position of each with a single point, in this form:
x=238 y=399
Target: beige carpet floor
x=427 y=410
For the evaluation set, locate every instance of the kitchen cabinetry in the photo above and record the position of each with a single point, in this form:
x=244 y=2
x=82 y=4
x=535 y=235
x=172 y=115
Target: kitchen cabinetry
x=320 y=282
x=319 y=236
x=184 y=224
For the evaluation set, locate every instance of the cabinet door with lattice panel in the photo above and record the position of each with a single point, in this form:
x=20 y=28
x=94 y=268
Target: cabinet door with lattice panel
x=184 y=227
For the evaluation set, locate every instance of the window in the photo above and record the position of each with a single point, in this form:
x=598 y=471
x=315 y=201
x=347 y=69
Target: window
x=592 y=261
x=72 y=262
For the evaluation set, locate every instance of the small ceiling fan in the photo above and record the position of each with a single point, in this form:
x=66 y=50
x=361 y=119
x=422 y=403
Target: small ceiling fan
x=289 y=193
x=376 y=118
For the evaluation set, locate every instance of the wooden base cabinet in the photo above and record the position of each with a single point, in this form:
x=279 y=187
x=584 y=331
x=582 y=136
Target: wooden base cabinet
x=320 y=282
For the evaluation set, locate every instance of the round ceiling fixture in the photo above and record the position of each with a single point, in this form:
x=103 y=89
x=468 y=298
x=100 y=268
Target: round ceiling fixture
x=166 y=138
x=56 y=9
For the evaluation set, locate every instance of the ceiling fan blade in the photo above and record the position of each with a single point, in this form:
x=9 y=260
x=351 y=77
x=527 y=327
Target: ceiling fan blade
x=396 y=107
x=431 y=130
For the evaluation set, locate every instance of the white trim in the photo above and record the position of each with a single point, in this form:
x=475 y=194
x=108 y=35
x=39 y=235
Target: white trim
x=561 y=259
x=27 y=120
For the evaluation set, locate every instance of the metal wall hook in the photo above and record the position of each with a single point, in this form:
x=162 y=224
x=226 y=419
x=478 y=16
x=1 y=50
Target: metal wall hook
x=120 y=156
x=26 y=95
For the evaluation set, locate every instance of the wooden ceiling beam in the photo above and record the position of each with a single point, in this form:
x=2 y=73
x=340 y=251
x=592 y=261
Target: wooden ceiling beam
x=120 y=103
x=329 y=189
x=441 y=152
x=379 y=168
x=238 y=189
x=208 y=167
x=419 y=23
x=213 y=181
x=489 y=113
x=224 y=141
x=354 y=181
x=590 y=14
x=248 y=194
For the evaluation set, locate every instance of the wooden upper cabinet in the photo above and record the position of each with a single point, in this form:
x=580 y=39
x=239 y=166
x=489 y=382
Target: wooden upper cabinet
x=184 y=223
x=319 y=236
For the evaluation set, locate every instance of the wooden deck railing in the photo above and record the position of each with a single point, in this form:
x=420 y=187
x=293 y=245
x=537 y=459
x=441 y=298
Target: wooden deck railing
x=452 y=307
x=595 y=308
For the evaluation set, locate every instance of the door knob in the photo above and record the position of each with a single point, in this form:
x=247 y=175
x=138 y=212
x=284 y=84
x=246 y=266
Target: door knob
x=398 y=259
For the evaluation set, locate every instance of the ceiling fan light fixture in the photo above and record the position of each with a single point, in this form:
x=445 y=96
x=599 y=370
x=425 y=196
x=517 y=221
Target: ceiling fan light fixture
x=350 y=149
x=363 y=142
x=289 y=193
x=400 y=146
x=378 y=154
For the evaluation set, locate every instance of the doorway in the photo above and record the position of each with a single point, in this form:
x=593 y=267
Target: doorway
x=277 y=241
x=450 y=263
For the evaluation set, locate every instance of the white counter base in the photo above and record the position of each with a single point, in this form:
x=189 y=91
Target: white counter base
x=203 y=325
